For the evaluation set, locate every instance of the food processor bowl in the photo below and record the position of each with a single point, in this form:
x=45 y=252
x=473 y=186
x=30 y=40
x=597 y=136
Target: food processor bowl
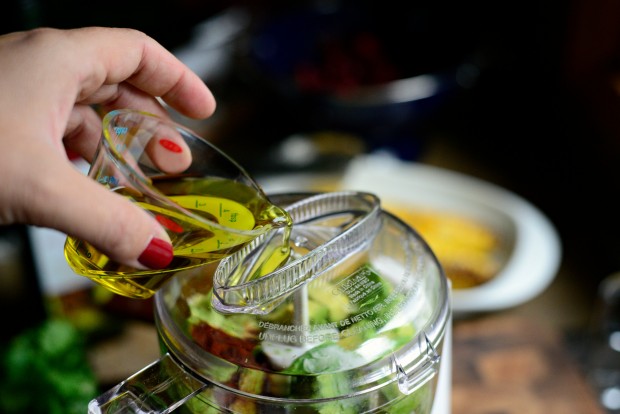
x=366 y=336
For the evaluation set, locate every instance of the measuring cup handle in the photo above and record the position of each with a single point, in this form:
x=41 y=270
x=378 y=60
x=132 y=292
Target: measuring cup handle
x=160 y=388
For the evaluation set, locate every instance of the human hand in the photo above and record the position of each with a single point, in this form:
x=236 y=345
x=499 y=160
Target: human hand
x=49 y=79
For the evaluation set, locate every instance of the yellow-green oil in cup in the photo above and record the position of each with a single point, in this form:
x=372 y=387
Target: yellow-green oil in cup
x=195 y=241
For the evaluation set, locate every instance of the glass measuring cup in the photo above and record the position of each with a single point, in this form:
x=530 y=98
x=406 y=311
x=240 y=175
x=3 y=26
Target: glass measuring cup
x=370 y=339
x=207 y=203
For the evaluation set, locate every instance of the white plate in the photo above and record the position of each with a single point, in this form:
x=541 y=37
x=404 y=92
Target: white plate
x=536 y=253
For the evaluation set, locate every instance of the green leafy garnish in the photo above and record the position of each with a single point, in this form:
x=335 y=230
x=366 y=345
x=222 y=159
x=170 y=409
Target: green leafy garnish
x=45 y=370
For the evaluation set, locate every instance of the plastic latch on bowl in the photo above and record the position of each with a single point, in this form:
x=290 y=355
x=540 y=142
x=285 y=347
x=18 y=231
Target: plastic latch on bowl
x=148 y=391
x=419 y=372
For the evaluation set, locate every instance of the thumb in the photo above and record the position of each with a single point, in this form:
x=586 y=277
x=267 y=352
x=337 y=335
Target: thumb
x=111 y=223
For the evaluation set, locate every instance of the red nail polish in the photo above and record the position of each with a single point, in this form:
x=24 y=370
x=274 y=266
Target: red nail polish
x=157 y=255
x=170 y=146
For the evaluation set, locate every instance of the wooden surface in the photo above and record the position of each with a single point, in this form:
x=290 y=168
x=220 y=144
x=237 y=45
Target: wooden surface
x=510 y=365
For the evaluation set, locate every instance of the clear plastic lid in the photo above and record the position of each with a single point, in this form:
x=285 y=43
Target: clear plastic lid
x=328 y=228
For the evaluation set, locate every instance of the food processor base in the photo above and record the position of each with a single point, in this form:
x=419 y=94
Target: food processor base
x=442 y=402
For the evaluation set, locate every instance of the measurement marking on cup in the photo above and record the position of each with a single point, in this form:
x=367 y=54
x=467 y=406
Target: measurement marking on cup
x=106 y=179
x=120 y=130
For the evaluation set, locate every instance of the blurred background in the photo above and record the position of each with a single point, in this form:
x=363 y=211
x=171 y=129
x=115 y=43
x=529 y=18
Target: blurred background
x=523 y=95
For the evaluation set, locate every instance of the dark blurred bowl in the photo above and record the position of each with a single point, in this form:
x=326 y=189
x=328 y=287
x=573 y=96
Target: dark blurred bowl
x=358 y=68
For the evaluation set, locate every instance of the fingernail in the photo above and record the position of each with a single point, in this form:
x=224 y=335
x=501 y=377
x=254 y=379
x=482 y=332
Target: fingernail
x=157 y=255
x=170 y=146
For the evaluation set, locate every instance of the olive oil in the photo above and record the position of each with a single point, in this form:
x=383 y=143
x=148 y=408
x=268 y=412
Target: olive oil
x=224 y=215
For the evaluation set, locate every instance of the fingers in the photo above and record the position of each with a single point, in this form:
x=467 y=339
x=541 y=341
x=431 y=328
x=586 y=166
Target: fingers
x=111 y=223
x=132 y=83
x=50 y=79
x=125 y=55
x=124 y=95
x=168 y=151
x=83 y=131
